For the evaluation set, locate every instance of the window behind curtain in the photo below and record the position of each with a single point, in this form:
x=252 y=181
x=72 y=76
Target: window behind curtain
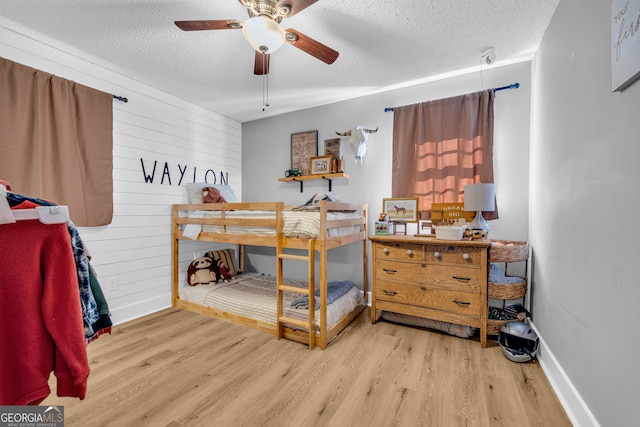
x=56 y=142
x=440 y=146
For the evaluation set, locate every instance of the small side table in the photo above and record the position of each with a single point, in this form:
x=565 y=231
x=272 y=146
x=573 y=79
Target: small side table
x=399 y=223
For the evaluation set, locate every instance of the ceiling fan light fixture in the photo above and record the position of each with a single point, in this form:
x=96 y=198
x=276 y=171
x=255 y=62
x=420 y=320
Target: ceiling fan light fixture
x=263 y=34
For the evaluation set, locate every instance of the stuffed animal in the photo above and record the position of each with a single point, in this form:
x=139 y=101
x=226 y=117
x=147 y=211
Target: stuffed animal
x=212 y=195
x=224 y=274
x=475 y=234
x=202 y=271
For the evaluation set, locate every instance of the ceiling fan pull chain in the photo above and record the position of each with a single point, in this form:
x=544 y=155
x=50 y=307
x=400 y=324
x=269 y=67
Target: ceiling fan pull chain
x=265 y=85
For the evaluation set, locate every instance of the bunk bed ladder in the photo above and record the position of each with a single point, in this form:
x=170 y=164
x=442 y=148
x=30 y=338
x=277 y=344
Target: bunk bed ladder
x=309 y=291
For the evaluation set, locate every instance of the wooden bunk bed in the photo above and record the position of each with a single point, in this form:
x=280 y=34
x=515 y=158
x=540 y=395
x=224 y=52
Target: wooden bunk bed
x=266 y=224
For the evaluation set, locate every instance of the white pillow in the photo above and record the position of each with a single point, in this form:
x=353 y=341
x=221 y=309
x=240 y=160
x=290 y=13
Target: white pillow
x=194 y=190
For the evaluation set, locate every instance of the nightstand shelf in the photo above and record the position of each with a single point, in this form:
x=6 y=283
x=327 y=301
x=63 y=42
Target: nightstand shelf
x=327 y=176
x=507 y=251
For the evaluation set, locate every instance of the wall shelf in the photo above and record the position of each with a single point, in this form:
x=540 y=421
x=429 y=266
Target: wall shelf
x=327 y=176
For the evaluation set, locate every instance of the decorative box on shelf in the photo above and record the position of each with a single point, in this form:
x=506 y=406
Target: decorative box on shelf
x=383 y=225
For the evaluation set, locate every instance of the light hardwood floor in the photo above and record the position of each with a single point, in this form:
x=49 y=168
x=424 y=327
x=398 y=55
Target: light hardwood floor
x=176 y=368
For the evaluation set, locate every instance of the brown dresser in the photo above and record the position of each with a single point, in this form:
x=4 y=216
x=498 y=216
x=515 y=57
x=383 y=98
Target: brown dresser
x=442 y=280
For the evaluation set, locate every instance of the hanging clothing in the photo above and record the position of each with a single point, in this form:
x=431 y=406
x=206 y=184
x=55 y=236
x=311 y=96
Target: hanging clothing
x=103 y=324
x=41 y=324
x=90 y=312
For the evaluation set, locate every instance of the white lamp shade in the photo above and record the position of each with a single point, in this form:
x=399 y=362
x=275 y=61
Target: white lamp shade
x=263 y=34
x=479 y=197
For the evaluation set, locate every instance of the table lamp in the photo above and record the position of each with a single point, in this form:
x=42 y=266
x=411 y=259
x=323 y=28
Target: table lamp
x=479 y=197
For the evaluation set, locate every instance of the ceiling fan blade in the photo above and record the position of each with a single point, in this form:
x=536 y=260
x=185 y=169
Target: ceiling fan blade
x=295 y=6
x=311 y=46
x=261 y=64
x=217 y=24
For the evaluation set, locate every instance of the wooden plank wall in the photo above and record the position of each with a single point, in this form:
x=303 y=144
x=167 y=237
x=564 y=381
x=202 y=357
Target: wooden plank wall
x=132 y=254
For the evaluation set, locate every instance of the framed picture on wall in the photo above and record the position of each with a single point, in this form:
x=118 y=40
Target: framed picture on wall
x=403 y=209
x=332 y=148
x=304 y=145
x=625 y=43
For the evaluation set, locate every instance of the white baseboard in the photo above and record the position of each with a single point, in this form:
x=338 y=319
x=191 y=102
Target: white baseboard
x=576 y=409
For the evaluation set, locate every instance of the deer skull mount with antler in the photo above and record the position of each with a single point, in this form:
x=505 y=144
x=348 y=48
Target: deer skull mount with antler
x=358 y=137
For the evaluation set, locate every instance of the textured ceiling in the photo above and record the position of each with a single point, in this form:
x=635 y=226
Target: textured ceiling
x=382 y=43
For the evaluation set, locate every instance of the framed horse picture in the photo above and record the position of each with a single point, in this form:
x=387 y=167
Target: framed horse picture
x=401 y=209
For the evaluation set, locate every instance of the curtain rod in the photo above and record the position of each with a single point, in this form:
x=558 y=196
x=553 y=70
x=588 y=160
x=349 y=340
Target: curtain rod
x=120 y=98
x=495 y=89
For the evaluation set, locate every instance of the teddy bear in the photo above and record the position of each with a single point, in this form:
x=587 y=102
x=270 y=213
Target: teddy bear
x=212 y=195
x=224 y=274
x=202 y=271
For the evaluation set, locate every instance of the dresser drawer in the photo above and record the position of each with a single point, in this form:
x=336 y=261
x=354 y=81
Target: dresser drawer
x=445 y=277
x=453 y=255
x=399 y=251
x=424 y=296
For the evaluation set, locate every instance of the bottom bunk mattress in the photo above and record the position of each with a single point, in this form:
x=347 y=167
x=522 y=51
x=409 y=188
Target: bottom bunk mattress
x=253 y=295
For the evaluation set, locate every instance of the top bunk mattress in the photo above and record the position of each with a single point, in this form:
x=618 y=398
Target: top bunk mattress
x=298 y=224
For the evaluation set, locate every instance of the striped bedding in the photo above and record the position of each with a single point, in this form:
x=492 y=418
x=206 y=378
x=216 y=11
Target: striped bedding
x=253 y=295
x=300 y=224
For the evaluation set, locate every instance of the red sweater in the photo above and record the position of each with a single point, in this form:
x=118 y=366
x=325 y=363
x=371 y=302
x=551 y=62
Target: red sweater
x=40 y=314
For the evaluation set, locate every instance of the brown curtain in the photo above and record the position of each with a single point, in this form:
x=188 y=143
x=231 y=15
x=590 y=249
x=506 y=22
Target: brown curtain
x=56 y=142
x=440 y=146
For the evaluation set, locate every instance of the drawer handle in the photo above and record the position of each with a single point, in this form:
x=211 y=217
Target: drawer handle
x=462 y=279
x=385 y=250
x=390 y=292
x=423 y=288
x=409 y=252
x=389 y=271
x=436 y=254
x=466 y=256
x=461 y=302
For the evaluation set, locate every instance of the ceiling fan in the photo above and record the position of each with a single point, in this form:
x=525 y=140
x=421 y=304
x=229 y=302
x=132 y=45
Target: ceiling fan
x=263 y=30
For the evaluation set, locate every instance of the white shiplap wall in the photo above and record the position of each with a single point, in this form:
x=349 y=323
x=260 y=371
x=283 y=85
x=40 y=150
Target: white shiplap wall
x=132 y=255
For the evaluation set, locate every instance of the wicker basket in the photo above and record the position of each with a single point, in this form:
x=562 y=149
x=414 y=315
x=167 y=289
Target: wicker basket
x=508 y=251
x=507 y=291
